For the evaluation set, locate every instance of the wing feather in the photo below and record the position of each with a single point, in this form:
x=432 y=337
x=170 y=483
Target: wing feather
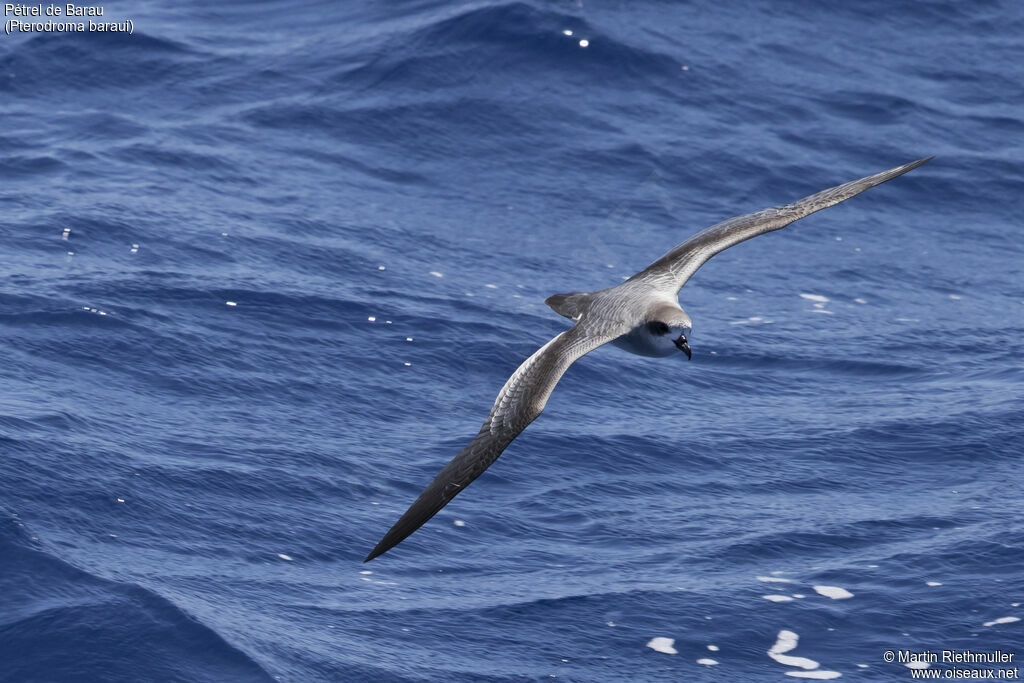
x=518 y=404
x=677 y=266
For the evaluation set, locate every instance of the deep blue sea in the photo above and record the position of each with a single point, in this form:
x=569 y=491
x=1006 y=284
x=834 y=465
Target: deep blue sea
x=264 y=267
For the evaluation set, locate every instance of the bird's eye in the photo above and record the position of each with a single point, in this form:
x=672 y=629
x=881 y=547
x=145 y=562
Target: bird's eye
x=659 y=328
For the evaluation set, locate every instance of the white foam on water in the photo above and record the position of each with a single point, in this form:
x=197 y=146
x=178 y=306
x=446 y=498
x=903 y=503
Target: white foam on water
x=933 y=583
x=1014 y=604
x=819 y=305
x=955 y=297
x=1001 y=620
x=820 y=674
x=566 y=32
x=860 y=301
x=790 y=660
x=231 y=303
x=436 y=274
x=778 y=598
x=491 y=286
x=662 y=644
x=610 y=623
x=366 y=571
x=916 y=665
x=834 y=592
x=822 y=310
x=707 y=661
x=862 y=666
x=785 y=642
x=284 y=557
x=739 y=322
x=815 y=297
x=799 y=596
x=459 y=522
x=774 y=579
x=731 y=298
x=713 y=648
x=381 y=268
x=372 y=319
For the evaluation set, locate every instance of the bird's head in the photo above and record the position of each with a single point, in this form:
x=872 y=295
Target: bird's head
x=673 y=325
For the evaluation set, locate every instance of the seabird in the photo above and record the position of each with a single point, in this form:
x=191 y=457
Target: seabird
x=641 y=315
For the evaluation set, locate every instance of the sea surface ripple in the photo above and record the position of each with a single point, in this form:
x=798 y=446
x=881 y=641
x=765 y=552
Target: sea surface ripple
x=265 y=266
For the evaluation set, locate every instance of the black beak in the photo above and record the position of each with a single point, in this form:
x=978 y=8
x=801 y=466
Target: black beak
x=683 y=346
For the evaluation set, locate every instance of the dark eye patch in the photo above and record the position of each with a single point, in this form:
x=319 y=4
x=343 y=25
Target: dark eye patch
x=658 y=328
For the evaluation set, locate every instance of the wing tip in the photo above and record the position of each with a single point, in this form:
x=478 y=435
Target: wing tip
x=905 y=168
x=858 y=186
x=914 y=164
x=386 y=544
x=379 y=550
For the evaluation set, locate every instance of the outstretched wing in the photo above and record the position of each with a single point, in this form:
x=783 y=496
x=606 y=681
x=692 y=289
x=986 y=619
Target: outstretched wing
x=518 y=404
x=677 y=266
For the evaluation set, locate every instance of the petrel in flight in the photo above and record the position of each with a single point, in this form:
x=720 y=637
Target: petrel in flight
x=641 y=315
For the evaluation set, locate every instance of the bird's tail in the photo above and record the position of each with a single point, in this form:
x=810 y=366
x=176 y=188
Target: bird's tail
x=571 y=305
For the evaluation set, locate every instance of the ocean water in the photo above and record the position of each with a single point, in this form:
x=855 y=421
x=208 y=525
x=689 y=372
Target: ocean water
x=264 y=267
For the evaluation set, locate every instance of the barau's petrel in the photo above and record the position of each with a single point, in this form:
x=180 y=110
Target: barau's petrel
x=641 y=315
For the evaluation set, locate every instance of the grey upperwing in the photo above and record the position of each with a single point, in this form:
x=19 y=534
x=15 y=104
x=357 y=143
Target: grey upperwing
x=672 y=270
x=518 y=404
